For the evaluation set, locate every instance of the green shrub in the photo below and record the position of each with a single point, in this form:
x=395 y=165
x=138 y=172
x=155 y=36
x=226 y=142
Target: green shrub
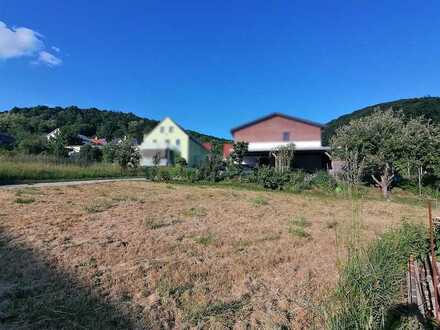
x=298 y=181
x=371 y=280
x=269 y=178
x=323 y=181
x=164 y=174
x=260 y=200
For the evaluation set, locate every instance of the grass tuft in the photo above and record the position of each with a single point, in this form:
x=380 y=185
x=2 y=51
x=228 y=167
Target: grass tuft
x=25 y=200
x=370 y=283
x=260 y=200
x=297 y=227
x=98 y=206
x=196 y=212
x=205 y=240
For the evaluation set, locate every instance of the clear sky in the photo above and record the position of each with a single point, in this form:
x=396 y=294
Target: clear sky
x=214 y=64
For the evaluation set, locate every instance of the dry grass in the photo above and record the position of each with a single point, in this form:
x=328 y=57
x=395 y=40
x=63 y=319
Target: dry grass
x=138 y=254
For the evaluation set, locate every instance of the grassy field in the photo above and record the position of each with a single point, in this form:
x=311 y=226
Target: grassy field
x=12 y=171
x=151 y=255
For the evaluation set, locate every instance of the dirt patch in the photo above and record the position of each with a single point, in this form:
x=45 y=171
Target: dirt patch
x=170 y=256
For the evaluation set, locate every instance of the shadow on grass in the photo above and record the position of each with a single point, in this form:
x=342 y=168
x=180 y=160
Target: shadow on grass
x=35 y=295
x=409 y=313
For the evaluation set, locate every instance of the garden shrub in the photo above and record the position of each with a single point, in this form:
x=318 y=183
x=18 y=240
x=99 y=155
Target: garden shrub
x=269 y=178
x=323 y=181
x=298 y=181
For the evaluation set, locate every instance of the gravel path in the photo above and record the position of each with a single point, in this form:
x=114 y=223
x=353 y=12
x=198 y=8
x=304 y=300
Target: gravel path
x=66 y=183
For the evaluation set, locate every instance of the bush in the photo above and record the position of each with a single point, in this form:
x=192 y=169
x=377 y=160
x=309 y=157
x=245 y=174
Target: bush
x=269 y=178
x=323 y=181
x=298 y=181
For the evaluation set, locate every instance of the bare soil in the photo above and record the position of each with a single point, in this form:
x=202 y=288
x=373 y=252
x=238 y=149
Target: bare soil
x=150 y=255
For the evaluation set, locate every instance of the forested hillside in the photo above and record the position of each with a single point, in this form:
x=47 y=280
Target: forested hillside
x=27 y=124
x=429 y=107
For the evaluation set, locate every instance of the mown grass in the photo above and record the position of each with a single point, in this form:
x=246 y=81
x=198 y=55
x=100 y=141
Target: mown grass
x=25 y=171
x=369 y=288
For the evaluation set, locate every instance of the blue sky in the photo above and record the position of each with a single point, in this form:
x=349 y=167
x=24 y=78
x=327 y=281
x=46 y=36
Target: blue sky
x=212 y=65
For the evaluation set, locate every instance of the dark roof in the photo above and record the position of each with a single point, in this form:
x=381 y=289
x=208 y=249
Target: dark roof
x=276 y=114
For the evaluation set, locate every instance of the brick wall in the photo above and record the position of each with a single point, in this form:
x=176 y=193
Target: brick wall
x=271 y=130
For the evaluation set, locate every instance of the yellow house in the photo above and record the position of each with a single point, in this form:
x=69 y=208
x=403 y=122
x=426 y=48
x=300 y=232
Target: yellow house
x=167 y=140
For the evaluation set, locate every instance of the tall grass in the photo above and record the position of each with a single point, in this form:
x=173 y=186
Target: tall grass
x=22 y=169
x=371 y=280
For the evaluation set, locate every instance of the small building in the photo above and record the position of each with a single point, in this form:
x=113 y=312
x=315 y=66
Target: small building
x=167 y=140
x=267 y=133
x=53 y=134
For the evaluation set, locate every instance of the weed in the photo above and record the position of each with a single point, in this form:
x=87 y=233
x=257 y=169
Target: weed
x=152 y=223
x=24 y=200
x=297 y=227
x=205 y=239
x=196 y=212
x=98 y=206
x=299 y=232
x=16 y=169
x=300 y=222
x=27 y=191
x=371 y=280
x=260 y=200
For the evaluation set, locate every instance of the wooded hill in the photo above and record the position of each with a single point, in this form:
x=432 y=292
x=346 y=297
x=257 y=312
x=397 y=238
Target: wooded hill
x=35 y=121
x=429 y=107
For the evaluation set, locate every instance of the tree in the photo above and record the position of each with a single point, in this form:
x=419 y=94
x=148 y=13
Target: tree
x=89 y=154
x=374 y=142
x=109 y=153
x=128 y=155
x=240 y=149
x=422 y=142
x=179 y=160
x=284 y=156
x=213 y=164
x=57 y=146
x=32 y=144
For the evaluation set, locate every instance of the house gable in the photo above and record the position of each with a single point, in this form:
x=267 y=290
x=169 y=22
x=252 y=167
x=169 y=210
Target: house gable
x=278 y=128
x=169 y=135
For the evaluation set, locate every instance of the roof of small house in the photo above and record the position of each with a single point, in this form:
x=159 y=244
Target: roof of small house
x=276 y=114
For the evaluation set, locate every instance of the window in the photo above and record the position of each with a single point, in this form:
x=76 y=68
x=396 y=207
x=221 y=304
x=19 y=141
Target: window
x=154 y=141
x=171 y=129
x=286 y=136
x=177 y=142
x=167 y=141
x=162 y=129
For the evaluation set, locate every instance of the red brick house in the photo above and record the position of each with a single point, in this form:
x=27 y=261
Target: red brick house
x=267 y=133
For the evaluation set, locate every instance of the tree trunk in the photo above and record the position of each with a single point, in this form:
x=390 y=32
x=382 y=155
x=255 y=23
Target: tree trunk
x=420 y=173
x=385 y=180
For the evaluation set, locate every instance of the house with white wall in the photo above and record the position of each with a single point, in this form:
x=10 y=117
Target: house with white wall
x=167 y=140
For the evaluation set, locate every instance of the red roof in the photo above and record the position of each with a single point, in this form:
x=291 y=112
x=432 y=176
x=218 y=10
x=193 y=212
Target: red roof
x=227 y=148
